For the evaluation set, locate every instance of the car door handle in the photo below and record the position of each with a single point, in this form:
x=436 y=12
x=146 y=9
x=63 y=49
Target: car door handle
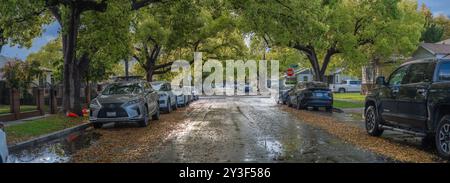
x=422 y=91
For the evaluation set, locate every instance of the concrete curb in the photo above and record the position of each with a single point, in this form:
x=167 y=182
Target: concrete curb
x=47 y=137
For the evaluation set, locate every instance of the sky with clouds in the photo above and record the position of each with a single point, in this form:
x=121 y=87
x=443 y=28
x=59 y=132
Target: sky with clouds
x=51 y=31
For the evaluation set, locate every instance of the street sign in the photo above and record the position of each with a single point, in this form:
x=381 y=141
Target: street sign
x=290 y=72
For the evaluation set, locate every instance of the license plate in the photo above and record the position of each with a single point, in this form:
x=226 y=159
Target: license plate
x=111 y=114
x=319 y=94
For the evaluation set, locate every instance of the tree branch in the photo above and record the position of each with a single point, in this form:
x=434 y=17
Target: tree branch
x=136 y=5
x=92 y=5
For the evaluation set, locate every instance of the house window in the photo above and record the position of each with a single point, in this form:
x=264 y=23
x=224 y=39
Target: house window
x=305 y=78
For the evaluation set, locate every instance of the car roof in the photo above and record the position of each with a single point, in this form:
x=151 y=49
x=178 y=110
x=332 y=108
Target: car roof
x=129 y=82
x=158 y=82
x=426 y=60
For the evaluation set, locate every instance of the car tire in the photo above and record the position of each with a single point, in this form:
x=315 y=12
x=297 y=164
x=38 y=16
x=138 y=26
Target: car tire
x=144 y=122
x=315 y=108
x=156 y=116
x=329 y=109
x=442 y=137
x=169 y=107
x=97 y=125
x=341 y=90
x=289 y=103
x=175 y=107
x=299 y=104
x=372 y=122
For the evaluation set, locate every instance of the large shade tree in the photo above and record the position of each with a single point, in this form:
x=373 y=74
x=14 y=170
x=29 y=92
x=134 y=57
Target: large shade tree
x=161 y=32
x=354 y=30
x=68 y=13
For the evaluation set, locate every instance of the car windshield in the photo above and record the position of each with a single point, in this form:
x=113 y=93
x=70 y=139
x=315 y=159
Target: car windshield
x=115 y=89
x=160 y=87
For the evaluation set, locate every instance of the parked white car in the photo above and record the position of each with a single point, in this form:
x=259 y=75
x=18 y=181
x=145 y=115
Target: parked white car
x=347 y=86
x=3 y=146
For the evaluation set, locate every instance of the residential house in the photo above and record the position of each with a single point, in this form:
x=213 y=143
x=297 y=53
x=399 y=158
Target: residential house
x=425 y=50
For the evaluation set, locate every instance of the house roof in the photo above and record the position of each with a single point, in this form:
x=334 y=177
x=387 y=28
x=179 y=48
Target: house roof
x=444 y=42
x=436 y=49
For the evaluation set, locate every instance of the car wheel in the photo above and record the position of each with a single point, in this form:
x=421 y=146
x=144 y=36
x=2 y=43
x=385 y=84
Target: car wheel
x=315 y=108
x=289 y=103
x=156 y=115
x=299 y=104
x=175 y=107
x=443 y=137
x=97 y=125
x=329 y=109
x=169 y=107
x=372 y=122
x=144 y=122
x=341 y=90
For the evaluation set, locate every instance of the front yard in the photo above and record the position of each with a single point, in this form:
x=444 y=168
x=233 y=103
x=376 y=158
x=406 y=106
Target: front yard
x=348 y=100
x=34 y=128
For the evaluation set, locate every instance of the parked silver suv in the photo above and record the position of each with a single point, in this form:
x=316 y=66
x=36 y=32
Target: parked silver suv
x=126 y=101
x=167 y=100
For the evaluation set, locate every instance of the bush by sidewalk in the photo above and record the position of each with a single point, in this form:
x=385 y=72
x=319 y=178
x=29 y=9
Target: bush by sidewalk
x=34 y=128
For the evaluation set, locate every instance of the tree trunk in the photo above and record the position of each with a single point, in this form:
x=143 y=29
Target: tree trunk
x=319 y=70
x=150 y=69
x=70 y=100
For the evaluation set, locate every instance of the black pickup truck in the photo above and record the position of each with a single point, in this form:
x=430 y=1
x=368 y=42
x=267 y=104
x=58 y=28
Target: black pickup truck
x=415 y=99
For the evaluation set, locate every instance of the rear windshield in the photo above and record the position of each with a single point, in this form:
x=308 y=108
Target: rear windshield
x=303 y=85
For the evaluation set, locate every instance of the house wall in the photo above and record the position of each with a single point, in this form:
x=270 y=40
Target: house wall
x=422 y=53
x=304 y=77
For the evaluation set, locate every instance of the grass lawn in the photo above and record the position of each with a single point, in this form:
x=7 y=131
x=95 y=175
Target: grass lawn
x=34 y=128
x=4 y=109
x=346 y=104
x=357 y=97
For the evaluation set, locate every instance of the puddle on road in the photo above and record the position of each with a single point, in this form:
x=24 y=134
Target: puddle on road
x=57 y=151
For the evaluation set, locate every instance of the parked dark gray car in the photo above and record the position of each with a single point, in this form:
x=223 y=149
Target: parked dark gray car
x=311 y=94
x=127 y=101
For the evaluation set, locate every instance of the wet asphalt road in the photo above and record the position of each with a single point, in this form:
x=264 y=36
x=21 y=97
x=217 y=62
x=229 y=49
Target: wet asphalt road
x=217 y=129
x=251 y=129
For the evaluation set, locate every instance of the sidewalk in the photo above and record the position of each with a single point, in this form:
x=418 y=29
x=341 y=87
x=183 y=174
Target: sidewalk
x=21 y=121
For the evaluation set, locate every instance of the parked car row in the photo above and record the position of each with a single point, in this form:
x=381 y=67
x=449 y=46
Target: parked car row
x=135 y=101
x=307 y=94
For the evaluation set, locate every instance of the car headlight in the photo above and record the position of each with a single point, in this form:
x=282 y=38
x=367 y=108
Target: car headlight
x=95 y=104
x=132 y=102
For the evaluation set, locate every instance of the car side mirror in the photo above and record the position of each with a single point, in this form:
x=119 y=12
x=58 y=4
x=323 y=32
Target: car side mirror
x=380 y=80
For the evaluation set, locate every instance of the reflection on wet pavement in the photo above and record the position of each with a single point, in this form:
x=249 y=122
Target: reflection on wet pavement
x=252 y=130
x=57 y=151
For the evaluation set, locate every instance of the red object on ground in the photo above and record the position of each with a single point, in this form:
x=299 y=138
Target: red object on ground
x=71 y=114
x=85 y=111
x=290 y=72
